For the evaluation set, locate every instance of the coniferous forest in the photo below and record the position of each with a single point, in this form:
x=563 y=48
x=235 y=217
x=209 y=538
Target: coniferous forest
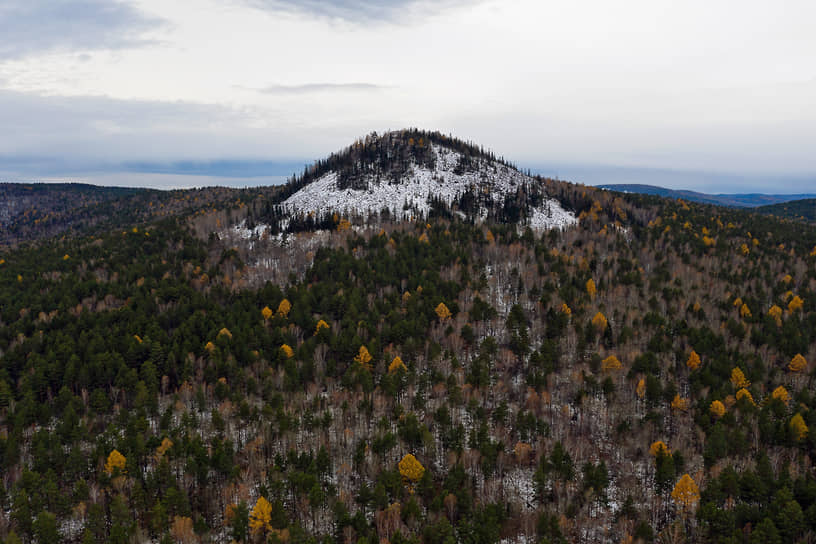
x=646 y=375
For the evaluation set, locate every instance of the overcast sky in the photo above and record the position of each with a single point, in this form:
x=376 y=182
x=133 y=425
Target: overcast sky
x=721 y=95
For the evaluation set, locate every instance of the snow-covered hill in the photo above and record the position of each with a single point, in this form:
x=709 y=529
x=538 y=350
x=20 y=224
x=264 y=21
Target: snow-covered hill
x=412 y=194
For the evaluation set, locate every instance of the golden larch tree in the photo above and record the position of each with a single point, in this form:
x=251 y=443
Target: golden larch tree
x=599 y=321
x=284 y=308
x=738 y=379
x=443 y=312
x=566 y=309
x=693 y=361
x=679 y=404
x=410 y=468
x=686 y=494
x=745 y=394
x=776 y=313
x=591 y=289
x=798 y=427
x=658 y=448
x=797 y=364
x=261 y=516
x=396 y=365
x=640 y=390
x=364 y=358
x=116 y=461
x=266 y=313
x=796 y=303
x=321 y=325
x=163 y=447
x=288 y=352
x=717 y=409
x=781 y=393
x=611 y=364
x=225 y=332
x=745 y=311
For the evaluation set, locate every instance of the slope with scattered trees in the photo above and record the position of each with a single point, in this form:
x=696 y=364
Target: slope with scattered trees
x=645 y=374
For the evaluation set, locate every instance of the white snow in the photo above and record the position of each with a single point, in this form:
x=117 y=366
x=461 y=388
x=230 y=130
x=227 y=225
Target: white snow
x=411 y=195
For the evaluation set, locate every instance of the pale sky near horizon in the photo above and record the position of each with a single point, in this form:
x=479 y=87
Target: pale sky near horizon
x=727 y=88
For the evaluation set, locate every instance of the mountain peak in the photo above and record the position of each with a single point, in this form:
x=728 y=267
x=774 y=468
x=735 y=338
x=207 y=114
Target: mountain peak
x=409 y=173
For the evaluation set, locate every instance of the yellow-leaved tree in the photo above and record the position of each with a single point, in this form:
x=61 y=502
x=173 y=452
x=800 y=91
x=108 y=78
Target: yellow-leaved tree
x=162 y=449
x=659 y=447
x=364 y=358
x=590 y=287
x=321 y=325
x=679 y=404
x=266 y=313
x=396 y=365
x=411 y=469
x=776 y=313
x=225 y=333
x=781 y=393
x=717 y=408
x=686 y=494
x=209 y=346
x=443 y=312
x=611 y=364
x=284 y=308
x=115 y=463
x=745 y=311
x=599 y=321
x=798 y=427
x=641 y=388
x=288 y=352
x=745 y=394
x=566 y=309
x=261 y=516
x=693 y=361
x=797 y=364
x=738 y=378
x=796 y=303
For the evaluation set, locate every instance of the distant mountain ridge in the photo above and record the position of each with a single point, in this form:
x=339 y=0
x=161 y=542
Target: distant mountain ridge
x=748 y=200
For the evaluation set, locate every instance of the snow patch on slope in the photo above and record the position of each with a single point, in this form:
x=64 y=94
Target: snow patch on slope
x=412 y=195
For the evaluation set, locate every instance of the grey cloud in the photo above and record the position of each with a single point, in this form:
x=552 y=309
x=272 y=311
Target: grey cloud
x=33 y=26
x=321 y=87
x=60 y=135
x=357 y=10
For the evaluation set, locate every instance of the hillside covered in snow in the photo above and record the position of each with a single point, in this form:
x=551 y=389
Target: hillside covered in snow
x=411 y=174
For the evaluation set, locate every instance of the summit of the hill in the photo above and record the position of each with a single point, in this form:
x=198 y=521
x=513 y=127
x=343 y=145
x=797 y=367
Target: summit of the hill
x=411 y=173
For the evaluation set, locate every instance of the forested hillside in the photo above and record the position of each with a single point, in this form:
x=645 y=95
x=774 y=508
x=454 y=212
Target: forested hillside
x=799 y=210
x=35 y=211
x=643 y=375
